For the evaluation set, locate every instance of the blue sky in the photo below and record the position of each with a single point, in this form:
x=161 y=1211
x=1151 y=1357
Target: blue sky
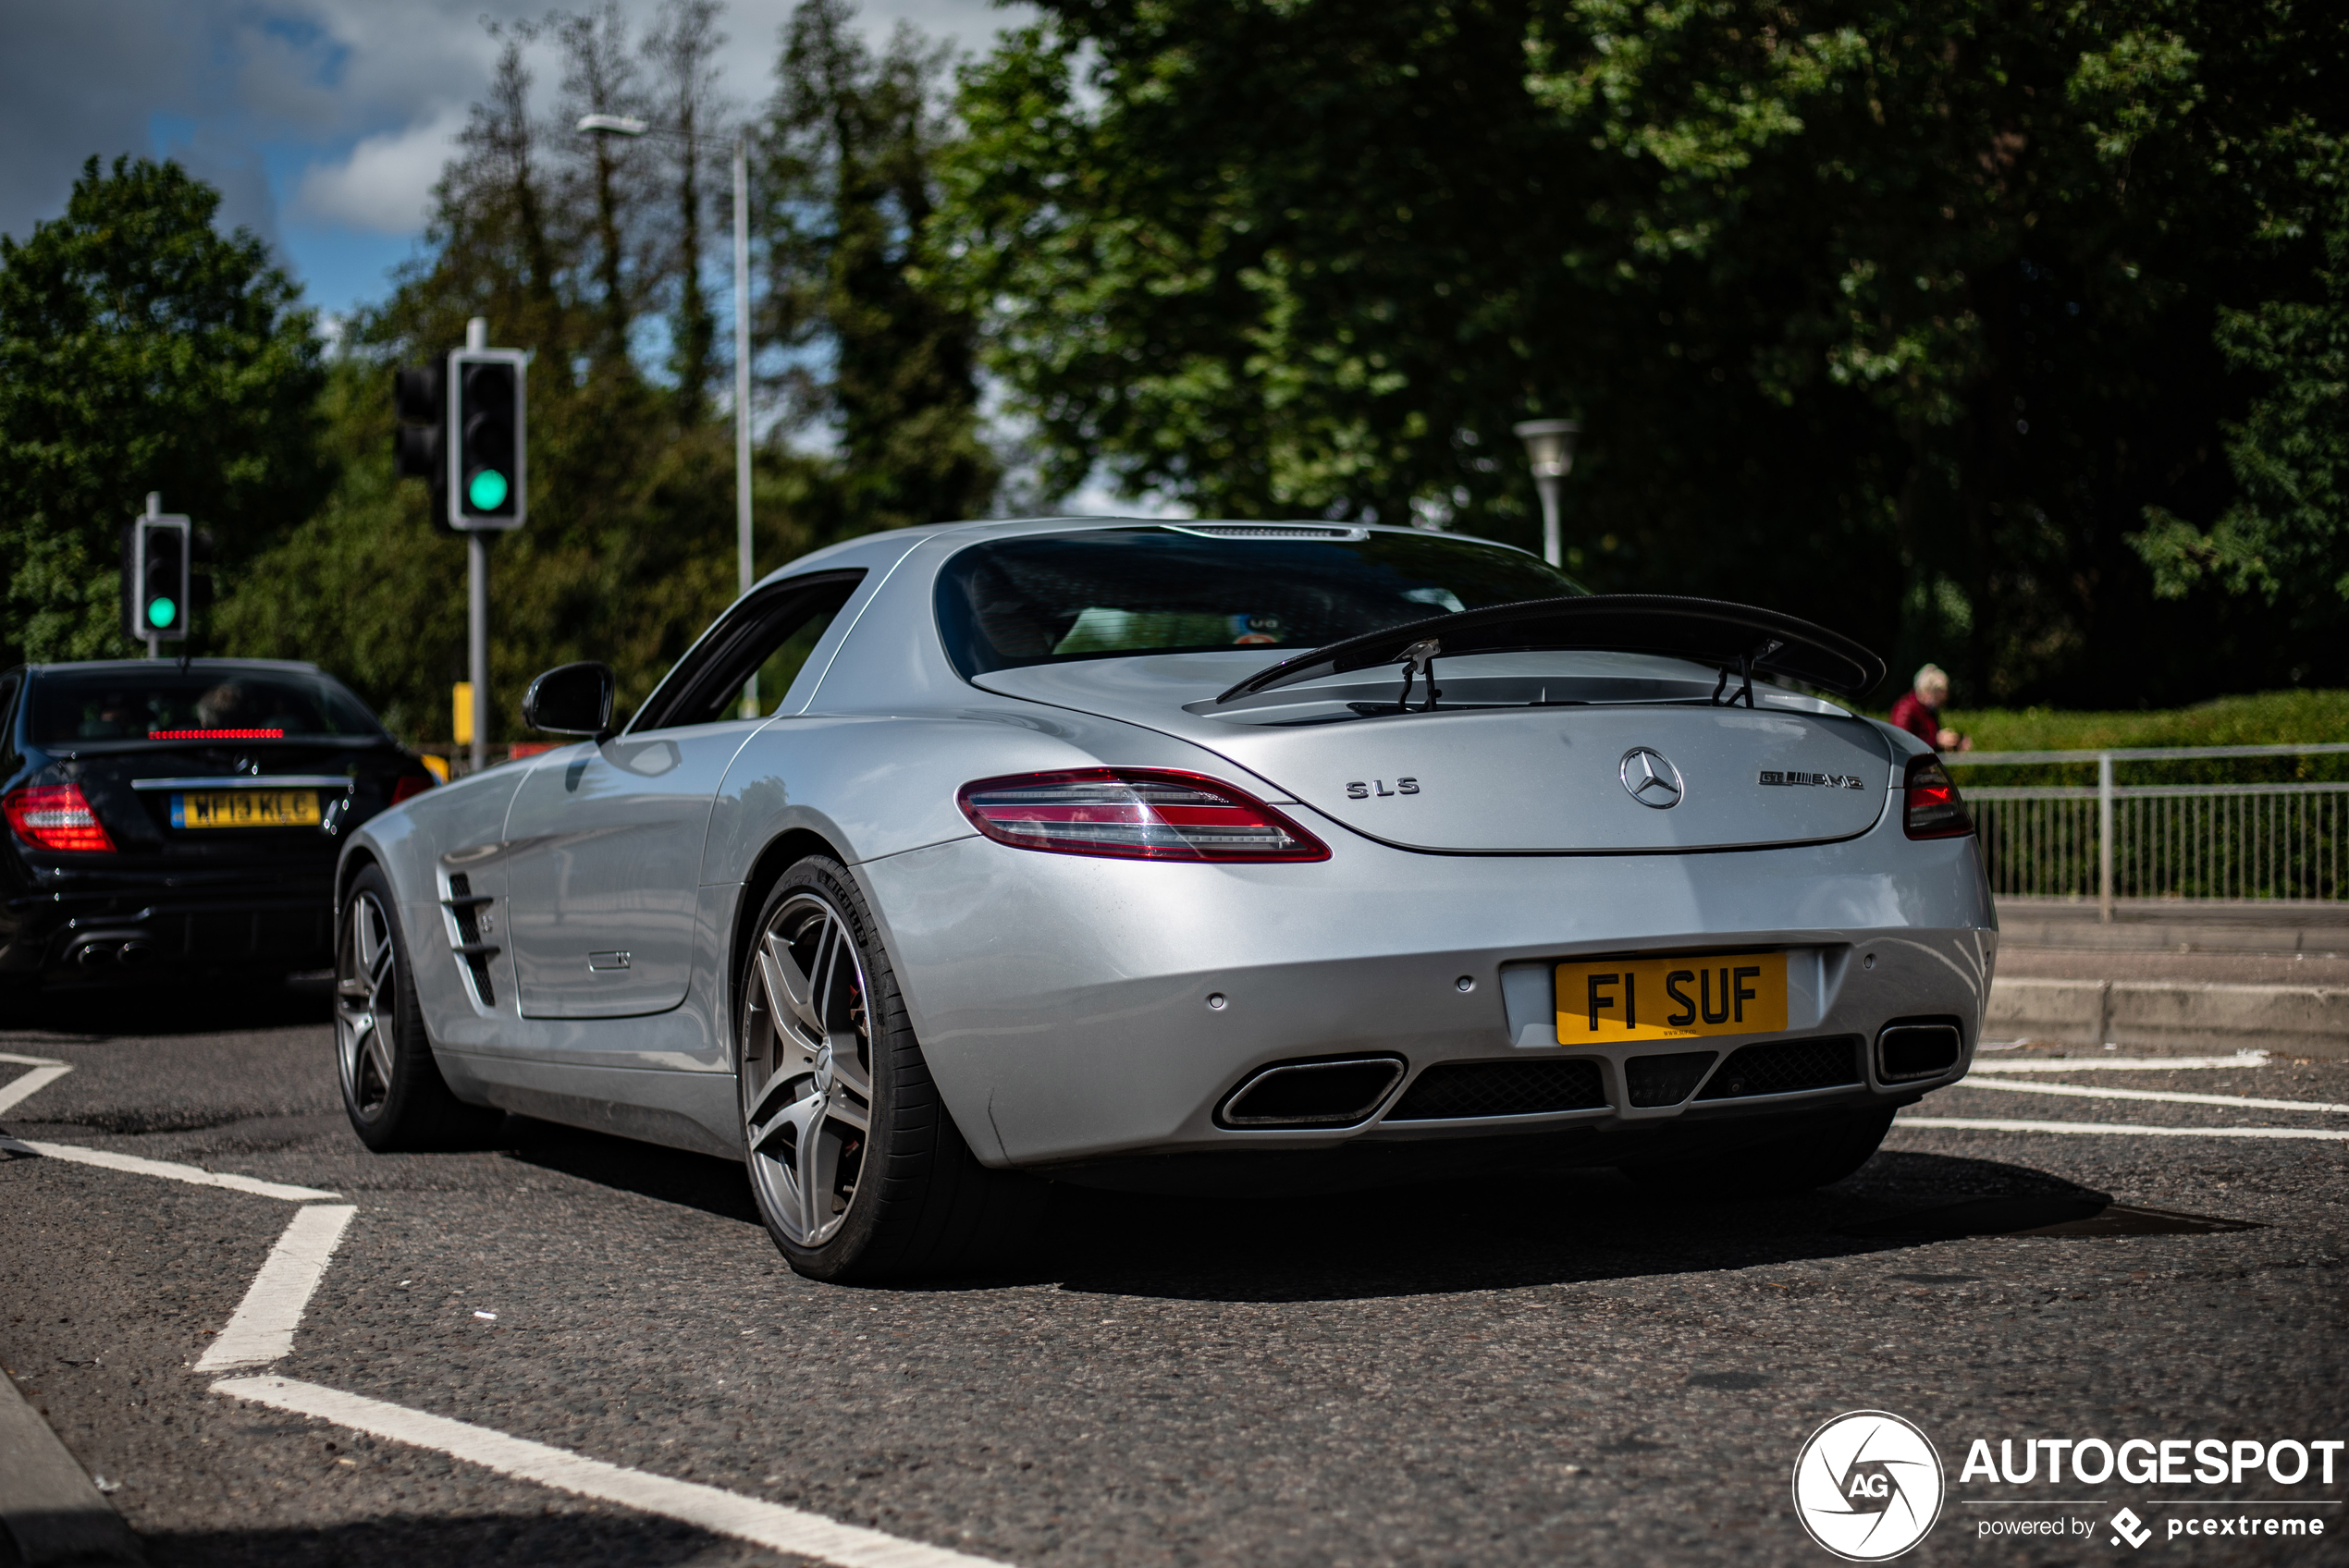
x=323 y=122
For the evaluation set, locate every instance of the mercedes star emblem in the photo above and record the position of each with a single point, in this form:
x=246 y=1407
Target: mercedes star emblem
x=1650 y=778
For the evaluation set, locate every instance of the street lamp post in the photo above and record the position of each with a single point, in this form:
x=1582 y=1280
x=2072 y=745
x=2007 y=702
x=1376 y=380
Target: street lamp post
x=627 y=125
x=1549 y=451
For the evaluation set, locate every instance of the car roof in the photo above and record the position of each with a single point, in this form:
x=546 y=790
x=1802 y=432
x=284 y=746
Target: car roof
x=890 y=544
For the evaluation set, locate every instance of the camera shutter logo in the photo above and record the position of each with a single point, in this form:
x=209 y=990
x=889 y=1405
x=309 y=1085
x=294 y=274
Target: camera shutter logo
x=1868 y=1485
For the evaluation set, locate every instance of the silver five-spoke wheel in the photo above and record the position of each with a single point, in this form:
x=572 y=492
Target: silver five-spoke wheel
x=365 y=968
x=808 y=1068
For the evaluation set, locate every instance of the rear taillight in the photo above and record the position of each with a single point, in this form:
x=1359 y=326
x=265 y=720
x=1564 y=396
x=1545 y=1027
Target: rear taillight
x=414 y=784
x=56 y=816
x=1933 y=807
x=1131 y=814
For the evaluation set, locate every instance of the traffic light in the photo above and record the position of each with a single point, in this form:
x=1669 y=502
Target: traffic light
x=488 y=466
x=420 y=395
x=462 y=430
x=155 y=578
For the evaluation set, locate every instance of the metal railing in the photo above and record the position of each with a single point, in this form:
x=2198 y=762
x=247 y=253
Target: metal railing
x=2201 y=840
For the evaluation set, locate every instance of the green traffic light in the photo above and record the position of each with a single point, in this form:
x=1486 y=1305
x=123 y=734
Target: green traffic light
x=486 y=490
x=162 y=612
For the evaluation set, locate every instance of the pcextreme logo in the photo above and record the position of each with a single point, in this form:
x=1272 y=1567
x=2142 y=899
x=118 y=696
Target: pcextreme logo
x=1868 y=1485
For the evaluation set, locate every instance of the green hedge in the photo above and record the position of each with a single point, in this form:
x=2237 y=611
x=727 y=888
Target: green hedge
x=2263 y=719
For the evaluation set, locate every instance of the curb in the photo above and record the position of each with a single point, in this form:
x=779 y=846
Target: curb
x=2308 y=1021
x=52 y=1511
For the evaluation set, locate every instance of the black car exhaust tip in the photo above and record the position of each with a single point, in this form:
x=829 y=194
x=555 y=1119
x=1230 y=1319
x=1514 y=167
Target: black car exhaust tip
x=89 y=955
x=1910 y=1048
x=133 y=954
x=1326 y=1092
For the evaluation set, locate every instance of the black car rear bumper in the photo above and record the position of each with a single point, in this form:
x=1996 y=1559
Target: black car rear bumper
x=284 y=924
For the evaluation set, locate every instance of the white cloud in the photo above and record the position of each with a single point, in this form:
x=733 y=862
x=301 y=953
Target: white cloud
x=385 y=183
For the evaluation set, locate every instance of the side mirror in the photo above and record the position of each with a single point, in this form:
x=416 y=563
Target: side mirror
x=572 y=699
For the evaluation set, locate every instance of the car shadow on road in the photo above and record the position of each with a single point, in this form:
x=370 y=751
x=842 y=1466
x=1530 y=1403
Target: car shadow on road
x=203 y=1004
x=1557 y=1227
x=1551 y=1227
x=678 y=1176
x=506 y=1540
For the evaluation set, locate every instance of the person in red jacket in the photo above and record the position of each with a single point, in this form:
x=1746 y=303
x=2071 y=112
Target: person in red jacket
x=1919 y=712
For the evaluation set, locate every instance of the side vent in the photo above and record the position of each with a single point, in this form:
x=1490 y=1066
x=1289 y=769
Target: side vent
x=466 y=906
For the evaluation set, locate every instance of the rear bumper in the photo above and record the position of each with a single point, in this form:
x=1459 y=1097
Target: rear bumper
x=123 y=932
x=1069 y=1008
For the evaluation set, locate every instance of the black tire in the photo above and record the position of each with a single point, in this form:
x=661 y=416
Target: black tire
x=1780 y=1166
x=392 y=1089
x=858 y=1168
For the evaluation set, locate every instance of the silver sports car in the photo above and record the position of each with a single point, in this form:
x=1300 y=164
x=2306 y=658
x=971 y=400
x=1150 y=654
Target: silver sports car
x=955 y=862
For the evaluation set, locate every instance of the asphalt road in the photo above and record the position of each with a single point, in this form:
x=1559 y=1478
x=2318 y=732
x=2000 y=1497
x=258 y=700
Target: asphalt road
x=1555 y=1369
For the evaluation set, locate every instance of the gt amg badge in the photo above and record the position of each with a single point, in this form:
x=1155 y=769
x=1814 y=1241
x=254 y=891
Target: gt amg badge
x=1650 y=778
x=1818 y=780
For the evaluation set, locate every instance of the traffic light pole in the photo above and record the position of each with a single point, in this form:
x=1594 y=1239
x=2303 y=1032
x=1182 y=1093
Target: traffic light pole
x=477 y=602
x=154 y=509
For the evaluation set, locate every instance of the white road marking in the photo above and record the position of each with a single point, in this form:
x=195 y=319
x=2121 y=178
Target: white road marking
x=262 y=1329
x=31 y=1060
x=45 y=1072
x=139 y=1166
x=1988 y=1124
x=2168 y=1095
x=729 y=1513
x=2122 y=1064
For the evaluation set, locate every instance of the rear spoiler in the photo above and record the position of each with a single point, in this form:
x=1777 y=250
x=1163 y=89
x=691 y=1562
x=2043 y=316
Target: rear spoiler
x=1736 y=639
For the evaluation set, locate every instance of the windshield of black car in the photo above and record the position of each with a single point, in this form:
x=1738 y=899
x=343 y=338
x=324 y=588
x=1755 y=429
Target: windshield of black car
x=1113 y=593
x=199 y=706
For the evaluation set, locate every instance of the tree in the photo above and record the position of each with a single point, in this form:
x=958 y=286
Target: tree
x=141 y=350
x=881 y=356
x=1901 y=316
x=682 y=49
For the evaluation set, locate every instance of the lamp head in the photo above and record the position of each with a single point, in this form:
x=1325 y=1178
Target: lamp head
x=611 y=125
x=1549 y=445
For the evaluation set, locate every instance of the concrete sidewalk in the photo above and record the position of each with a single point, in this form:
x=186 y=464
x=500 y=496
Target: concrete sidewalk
x=2167 y=976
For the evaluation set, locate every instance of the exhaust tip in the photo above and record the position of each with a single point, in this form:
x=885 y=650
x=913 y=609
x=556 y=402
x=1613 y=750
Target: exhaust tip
x=89 y=955
x=1910 y=1048
x=133 y=954
x=1332 y=1091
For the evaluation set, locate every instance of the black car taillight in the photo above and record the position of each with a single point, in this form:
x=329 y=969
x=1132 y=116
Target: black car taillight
x=56 y=816
x=1134 y=814
x=414 y=784
x=1933 y=808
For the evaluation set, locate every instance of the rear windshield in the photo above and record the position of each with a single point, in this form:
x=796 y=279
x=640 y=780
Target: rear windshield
x=1165 y=590
x=197 y=707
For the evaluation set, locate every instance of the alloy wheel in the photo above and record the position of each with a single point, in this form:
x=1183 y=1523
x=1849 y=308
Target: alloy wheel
x=364 y=970
x=806 y=1069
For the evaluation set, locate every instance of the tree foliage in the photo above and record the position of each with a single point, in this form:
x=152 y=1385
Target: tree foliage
x=879 y=359
x=572 y=246
x=141 y=350
x=1904 y=317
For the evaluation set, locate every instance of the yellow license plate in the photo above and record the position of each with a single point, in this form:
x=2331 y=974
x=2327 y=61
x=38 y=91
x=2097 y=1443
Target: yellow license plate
x=245 y=808
x=1610 y=1000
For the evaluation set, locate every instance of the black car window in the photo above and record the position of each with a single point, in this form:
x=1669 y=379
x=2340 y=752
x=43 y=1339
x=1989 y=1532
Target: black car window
x=163 y=704
x=1167 y=590
x=8 y=684
x=771 y=634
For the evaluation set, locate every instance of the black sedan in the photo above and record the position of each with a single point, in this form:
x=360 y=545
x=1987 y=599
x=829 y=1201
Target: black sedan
x=170 y=819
